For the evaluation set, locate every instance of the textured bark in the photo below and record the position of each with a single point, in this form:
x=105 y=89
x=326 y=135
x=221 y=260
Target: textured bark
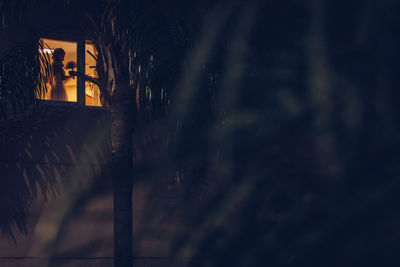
x=122 y=119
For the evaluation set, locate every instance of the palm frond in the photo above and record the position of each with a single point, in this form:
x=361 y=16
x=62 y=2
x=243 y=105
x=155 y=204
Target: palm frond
x=24 y=73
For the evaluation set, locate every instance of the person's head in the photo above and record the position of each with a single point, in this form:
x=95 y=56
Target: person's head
x=58 y=54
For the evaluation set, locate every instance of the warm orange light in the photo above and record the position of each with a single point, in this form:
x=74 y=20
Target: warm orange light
x=47 y=51
x=70 y=49
x=92 y=92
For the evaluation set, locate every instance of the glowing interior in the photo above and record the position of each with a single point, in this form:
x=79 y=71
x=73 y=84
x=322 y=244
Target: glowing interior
x=70 y=49
x=92 y=93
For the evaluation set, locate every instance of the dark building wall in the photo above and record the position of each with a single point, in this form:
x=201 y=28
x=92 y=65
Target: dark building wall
x=67 y=148
x=62 y=151
x=57 y=136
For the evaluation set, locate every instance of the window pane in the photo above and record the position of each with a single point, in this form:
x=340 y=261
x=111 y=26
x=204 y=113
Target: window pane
x=92 y=92
x=63 y=59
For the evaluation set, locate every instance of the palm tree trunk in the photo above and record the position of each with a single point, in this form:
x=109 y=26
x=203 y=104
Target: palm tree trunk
x=122 y=120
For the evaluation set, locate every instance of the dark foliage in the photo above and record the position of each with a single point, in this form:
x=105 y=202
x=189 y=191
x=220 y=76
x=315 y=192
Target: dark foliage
x=288 y=148
x=24 y=73
x=282 y=125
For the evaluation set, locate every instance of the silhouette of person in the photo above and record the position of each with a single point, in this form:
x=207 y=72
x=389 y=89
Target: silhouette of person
x=58 y=89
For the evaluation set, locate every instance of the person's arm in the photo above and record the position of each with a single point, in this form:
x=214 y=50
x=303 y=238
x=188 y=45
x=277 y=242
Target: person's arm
x=65 y=77
x=58 y=68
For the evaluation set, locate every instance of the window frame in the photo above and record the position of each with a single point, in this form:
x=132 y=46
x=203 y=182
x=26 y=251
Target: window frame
x=80 y=40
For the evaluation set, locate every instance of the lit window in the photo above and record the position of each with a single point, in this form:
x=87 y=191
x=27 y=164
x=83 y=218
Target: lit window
x=71 y=56
x=62 y=87
x=92 y=92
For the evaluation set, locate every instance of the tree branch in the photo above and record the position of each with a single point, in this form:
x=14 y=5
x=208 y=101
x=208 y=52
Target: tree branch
x=85 y=77
x=96 y=81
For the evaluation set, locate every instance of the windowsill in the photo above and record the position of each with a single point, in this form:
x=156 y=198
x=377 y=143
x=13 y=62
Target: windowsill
x=66 y=104
x=50 y=107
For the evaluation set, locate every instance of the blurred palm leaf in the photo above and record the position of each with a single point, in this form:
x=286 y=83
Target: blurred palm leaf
x=24 y=72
